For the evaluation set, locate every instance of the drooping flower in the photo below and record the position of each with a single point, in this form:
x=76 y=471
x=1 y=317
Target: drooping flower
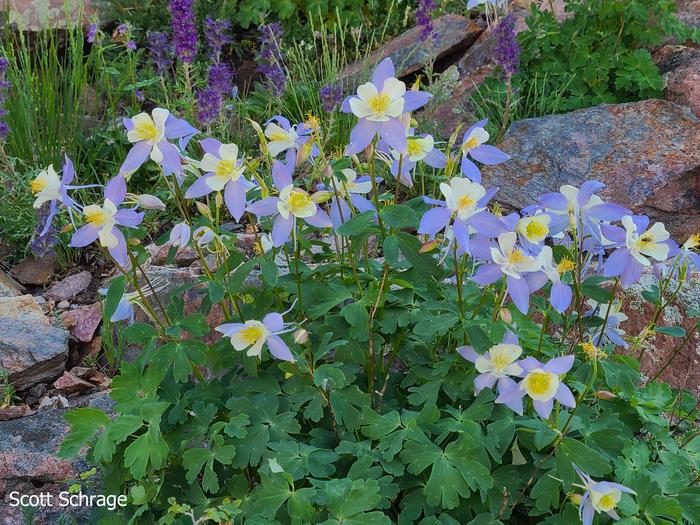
x=48 y=187
x=182 y=20
x=497 y=365
x=252 y=335
x=270 y=58
x=285 y=137
x=638 y=244
x=522 y=271
x=506 y=52
x=346 y=190
x=102 y=221
x=541 y=383
x=687 y=255
x=474 y=146
x=331 y=96
x=424 y=18
x=418 y=148
x=292 y=203
x=44 y=240
x=203 y=236
x=378 y=106
x=223 y=172
x=149 y=135
x=561 y=294
x=160 y=49
x=599 y=496
x=608 y=331
x=180 y=235
x=92 y=33
x=149 y=202
x=216 y=33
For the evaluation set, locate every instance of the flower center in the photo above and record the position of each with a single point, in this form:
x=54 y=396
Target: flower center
x=538 y=383
x=146 y=130
x=566 y=265
x=225 y=168
x=251 y=334
x=500 y=362
x=379 y=103
x=470 y=143
x=38 y=185
x=693 y=241
x=607 y=502
x=536 y=230
x=413 y=147
x=516 y=256
x=298 y=201
x=465 y=202
x=96 y=217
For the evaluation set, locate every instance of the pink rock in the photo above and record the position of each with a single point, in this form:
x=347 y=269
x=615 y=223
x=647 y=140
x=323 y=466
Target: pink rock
x=69 y=383
x=33 y=271
x=69 y=287
x=14 y=411
x=83 y=322
x=680 y=66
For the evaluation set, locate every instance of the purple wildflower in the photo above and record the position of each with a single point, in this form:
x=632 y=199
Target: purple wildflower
x=131 y=45
x=474 y=146
x=599 y=497
x=92 y=33
x=45 y=239
x=216 y=35
x=161 y=51
x=209 y=104
x=184 y=30
x=331 y=96
x=424 y=18
x=506 y=53
x=270 y=59
x=221 y=78
x=122 y=30
x=4 y=85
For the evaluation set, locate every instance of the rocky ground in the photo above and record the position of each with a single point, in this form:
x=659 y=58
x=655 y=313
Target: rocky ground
x=648 y=154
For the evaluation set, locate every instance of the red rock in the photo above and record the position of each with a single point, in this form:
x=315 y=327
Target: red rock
x=69 y=383
x=183 y=257
x=453 y=33
x=648 y=154
x=689 y=12
x=69 y=287
x=14 y=411
x=82 y=322
x=680 y=66
x=33 y=271
x=90 y=374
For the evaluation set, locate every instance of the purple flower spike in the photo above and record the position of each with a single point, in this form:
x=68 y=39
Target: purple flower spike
x=599 y=497
x=291 y=204
x=270 y=59
x=542 y=384
x=161 y=50
x=474 y=146
x=424 y=18
x=378 y=106
x=252 y=335
x=223 y=172
x=330 y=96
x=4 y=85
x=149 y=135
x=506 y=53
x=102 y=221
x=184 y=29
x=216 y=33
x=497 y=365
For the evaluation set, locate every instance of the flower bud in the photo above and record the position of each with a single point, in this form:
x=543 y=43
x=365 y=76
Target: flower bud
x=150 y=202
x=301 y=336
x=429 y=246
x=605 y=394
x=203 y=209
x=575 y=498
x=180 y=235
x=321 y=196
x=505 y=315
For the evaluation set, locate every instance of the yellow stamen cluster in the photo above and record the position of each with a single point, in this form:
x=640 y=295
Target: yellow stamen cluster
x=251 y=334
x=465 y=202
x=566 y=265
x=472 y=143
x=224 y=167
x=37 y=185
x=497 y=209
x=592 y=351
x=146 y=130
x=693 y=241
x=312 y=121
x=379 y=103
x=536 y=230
x=96 y=218
x=538 y=382
x=413 y=147
x=298 y=200
x=516 y=256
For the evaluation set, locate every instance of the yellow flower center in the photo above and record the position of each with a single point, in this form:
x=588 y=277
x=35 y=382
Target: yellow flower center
x=146 y=130
x=312 y=121
x=607 y=503
x=96 y=217
x=566 y=265
x=500 y=362
x=298 y=200
x=644 y=241
x=251 y=334
x=37 y=185
x=413 y=147
x=538 y=383
x=516 y=256
x=693 y=241
x=592 y=351
x=465 y=202
x=471 y=143
x=225 y=168
x=379 y=103
x=536 y=230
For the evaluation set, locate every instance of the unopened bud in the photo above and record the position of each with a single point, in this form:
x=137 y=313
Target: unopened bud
x=505 y=315
x=605 y=394
x=150 y=202
x=203 y=209
x=429 y=246
x=321 y=196
x=287 y=375
x=575 y=498
x=301 y=336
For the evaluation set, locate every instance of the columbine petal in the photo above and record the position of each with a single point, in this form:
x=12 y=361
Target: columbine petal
x=282 y=229
x=279 y=348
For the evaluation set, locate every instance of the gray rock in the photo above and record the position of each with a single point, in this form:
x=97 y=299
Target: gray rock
x=32 y=352
x=648 y=154
x=9 y=287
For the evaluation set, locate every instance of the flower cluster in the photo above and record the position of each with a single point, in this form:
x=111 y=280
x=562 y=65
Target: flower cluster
x=216 y=34
x=331 y=96
x=506 y=52
x=424 y=18
x=210 y=100
x=182 y=19
x=4 y=86
x=161 y=50
x=270 y=59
